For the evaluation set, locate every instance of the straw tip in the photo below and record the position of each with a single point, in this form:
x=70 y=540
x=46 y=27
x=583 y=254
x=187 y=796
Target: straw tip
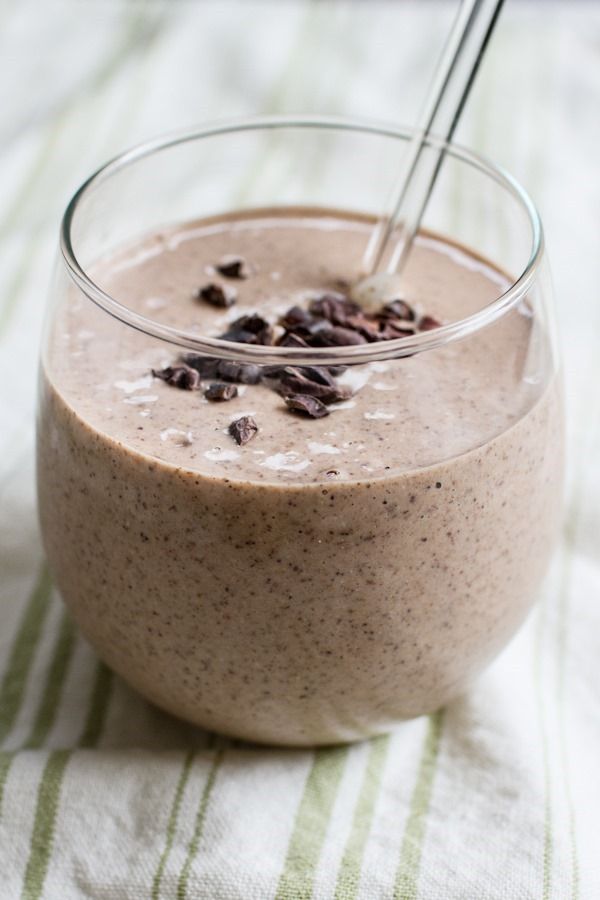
x=374 y=290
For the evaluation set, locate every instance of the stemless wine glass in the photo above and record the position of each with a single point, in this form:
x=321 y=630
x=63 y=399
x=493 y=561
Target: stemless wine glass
x=283 y=608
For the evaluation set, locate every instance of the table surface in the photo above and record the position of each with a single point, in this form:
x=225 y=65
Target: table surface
x=102 y=795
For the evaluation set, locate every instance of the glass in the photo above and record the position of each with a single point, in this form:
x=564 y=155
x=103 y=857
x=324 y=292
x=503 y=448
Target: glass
x=284 y=607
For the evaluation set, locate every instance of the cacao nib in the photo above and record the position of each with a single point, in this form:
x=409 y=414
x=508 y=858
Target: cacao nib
x=270 y=372
x=238 y=336
x=206 y=366
x=336 y=336
x=297 y=381
x=290 y=339
x=217 y=295
x=305 y=403
x=233 y=267
x=318 y=374
x=242 y=373
x=179 y=376
x=266 y=337
x=218 y=391
x=312 y=327
x=243 y=430
x=331 y=320
x=369 y=330
x=334 y=307
x=400 y=309
x=391 y=330
x=428 y=323
x=252 y=323
x=295 y=316
x=252 y=329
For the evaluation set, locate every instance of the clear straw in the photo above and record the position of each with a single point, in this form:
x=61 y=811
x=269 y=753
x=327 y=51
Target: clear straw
x=446 y=98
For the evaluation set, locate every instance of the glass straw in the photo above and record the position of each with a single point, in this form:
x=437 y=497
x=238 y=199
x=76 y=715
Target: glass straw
x=444 y=104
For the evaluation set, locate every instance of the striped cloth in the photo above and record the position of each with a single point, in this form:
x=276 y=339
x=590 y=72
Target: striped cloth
x=103 y=796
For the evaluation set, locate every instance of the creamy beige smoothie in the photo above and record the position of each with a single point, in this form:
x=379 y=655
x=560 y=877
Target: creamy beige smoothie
x=330 y=575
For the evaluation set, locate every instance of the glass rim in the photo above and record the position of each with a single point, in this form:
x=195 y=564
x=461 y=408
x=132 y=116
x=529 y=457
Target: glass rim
x=260 y=354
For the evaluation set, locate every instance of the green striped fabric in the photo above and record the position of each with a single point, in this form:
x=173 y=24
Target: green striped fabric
x=103 y=796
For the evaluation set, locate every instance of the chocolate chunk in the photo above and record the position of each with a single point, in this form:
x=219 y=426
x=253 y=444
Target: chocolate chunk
x=428 y=323
x=304 y=403
x=400 y=309
x=243 y=373
x=217 y=295
x=243 y=430
x=179 y=376
x=206 y=366
x=233 y=267
x=218 y=391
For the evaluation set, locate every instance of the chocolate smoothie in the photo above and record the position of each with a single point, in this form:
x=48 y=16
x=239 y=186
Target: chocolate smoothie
x=332 y=574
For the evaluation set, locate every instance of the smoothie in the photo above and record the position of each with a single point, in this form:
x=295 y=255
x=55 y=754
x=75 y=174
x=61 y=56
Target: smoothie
x=329 y=574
